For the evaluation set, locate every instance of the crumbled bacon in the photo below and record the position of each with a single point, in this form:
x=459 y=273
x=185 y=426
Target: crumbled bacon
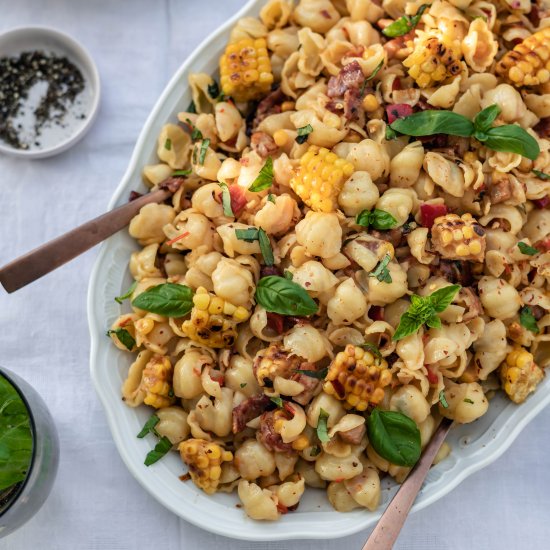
x=353 y=436
x=270 y=105
x=344 y=90
x=500 y=191
x=392 y=236
x=398 y=110
x=543 y=127
x=310 y=384
x=429 y=212
x=275 y=322
x=248 y=410
x=542 y=203
x=172 y=183
x=263 y=144
x=455 y=271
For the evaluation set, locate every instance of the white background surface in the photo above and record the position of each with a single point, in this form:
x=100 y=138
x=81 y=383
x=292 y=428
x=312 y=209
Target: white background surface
x=95 y=503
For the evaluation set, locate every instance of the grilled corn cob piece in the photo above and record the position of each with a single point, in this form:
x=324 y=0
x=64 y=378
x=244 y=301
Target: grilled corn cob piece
x=519 y=374
x=204 y=460
x=459 y=237
x=433 y=60
x=245 y=69
x=213 y=320
x=156 y=382
x=274 y=361
x=320 y=177
x=528 y=64
x=354 y=376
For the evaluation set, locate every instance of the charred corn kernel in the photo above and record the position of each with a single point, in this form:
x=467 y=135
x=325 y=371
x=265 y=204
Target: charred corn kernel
x=354 y=376
x=145 y=325
x=213 y=320
x=519 y=374
x=245 y=69
x=433 y=60
x=370 y=103
x=301 y=443
x=528 y=64
x=156 y=382
x=204 y=460
x=287 y=106
x=320 y=177
x=274 y=361
x=280 y=137
x=459 y=237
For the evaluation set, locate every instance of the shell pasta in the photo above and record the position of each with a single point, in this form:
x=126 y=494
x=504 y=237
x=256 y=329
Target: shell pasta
x=359 y=236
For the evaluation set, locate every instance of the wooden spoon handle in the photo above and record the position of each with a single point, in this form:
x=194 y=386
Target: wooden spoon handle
x=50 y=256
x=390 y=524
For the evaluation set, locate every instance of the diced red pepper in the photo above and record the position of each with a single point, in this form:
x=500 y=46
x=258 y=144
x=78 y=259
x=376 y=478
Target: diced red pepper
x=238 y=198
x=432 y=377
x=275 y=322
x=429 y=212
x=542 y=203
x=217 y=377
x=376 y=313
x=399 y=110
x=544 y=245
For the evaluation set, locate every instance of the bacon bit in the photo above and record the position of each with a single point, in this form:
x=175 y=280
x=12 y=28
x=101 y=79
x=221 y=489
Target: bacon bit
x=396 y=84
x=178 y=238
x=432 y=377
x=289 y=408
x=542 y=203
x=238 y=198
x=429 y=212
x=282 y=508
x=376 y=313
x=275 y=322
x=185 y=477
x=134 y=195
x=325 y=14
x=399 y=110
x=544 y=245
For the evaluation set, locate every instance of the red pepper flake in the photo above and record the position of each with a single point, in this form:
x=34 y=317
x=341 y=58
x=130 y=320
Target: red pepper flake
x=432 y=377
x=429 y=212
x=282 y=508
x=542 y=203
x=325 y=14
x=178 y=238
x=217 y=377
x=399 y=110
x=275 y=322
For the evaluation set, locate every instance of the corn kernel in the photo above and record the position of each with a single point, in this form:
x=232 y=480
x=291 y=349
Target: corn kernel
x=519 y=374
x=301 y=443
x=280 y=137
x=287 y=106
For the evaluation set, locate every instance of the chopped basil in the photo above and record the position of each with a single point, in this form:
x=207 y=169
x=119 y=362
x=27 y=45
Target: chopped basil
x=264 y=180
x=277 y=400
x=382 y=273
x=317 y=374
x=527 y=319
x=467 y=400
x=168 y=144
x=315 y=451
x=127 y=294
x=213 y=90
x=191 y=108
x=160 y=450
x=322 y=428
x=279 y=295
x=378 y=219
x=265 y=247
x=542 y=175
x=242 y=384
x=204 y=148
x=195 y=132
x=443 y=399
x=249 y=235
x=372 y=348
x=303 y=133
x=168 y=299
x=405 y=24
x=182 y=173
x=271 y=198
x=394 y=436
x=370 y=77
x=226 y=201
x=149 y=426
x=526 y=249
x=124 y=337
x=424 y=310
x=391 y=134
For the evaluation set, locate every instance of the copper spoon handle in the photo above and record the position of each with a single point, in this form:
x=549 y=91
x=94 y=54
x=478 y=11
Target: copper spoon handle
x=390 y=524
x=50 y=256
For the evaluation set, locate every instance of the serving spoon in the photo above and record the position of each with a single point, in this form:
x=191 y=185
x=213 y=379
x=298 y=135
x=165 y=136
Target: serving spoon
x=44 y=259
x=391 y=522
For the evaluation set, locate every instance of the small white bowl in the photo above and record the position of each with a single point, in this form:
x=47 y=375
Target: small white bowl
x=58 y=139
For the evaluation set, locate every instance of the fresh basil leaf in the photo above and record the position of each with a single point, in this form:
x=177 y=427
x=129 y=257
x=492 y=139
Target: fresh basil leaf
x=149 y=426
x=526 y=249
x=541 y=175
x=249 y=235
x=317 y=374
x=443 y=399
x=382 y=220
x=271 y=198
x=394 y=436
x=363 y=218
x=213 y=90
x=322 y=428
x=205 y=143
x=303 y=133
x=404 y=24
x=442 y=298
x=226 y=201
x=382 y=273
x=431 y=122
x=407 y=325
x=527 y=320
x=512 y=139
x=278 y=401
x=168 y=144
x=372 y=348
x=265 y=247
x=124 y=337
x=434 y=322
x=16 y=443
x=485 y=118
x=168 y=299
x=264 y=179
x=182 y=173
x=467 y=400
x=279 y=295
x=127 y=294
x=161 y=449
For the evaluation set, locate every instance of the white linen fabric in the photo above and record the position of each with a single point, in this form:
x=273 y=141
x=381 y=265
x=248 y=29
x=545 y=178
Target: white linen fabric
x=96 y=504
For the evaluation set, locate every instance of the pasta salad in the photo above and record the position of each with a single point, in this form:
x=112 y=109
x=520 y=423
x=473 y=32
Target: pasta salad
x=358 y=245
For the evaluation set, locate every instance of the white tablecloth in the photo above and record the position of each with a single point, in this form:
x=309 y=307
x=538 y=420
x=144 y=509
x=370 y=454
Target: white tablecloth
x=96 y=504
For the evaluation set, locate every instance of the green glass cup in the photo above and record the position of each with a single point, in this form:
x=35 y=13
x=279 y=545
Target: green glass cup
x=24 y=487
